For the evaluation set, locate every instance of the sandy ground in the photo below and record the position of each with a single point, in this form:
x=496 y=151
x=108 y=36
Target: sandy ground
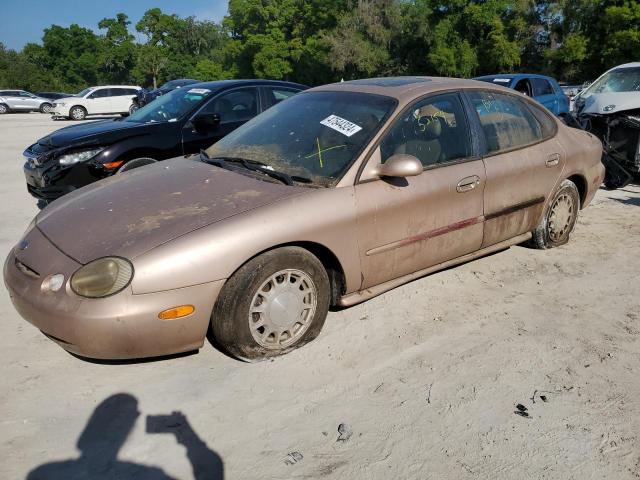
x=427 y=377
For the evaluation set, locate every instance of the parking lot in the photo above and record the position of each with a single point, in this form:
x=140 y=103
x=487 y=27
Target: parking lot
x=426 y=377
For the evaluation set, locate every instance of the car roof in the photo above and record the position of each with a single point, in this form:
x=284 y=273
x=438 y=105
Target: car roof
x=218 y=84
x=406 y=89
x=514 y=75
x=114 y=86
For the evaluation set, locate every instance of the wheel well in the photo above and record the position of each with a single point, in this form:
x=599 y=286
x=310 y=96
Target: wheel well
x=78 y=106
x=327 y=258
x=581 y=185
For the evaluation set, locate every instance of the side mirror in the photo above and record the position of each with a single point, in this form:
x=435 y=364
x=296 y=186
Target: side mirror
x=400 y=165
x=206 y=122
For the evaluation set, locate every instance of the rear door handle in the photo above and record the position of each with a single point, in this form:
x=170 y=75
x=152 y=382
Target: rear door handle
x=467 y=183
x=553 y=160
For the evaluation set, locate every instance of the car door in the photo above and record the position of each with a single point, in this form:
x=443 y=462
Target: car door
x=544 y=93
x=29 y=101
x=98 y=101
x=523 y=163
x=234 y=107
x=121 y=99
x=409 y=224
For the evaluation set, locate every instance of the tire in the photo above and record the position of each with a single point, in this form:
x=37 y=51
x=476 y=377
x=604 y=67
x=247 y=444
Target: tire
x=559 y=218
x=138 y=162
x=132 y=109
x=77 y=113
x=245 y=333
x=45 y=108
x=3 y=109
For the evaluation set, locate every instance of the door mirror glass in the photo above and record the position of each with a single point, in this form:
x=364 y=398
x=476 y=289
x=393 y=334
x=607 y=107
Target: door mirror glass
x=400 y=165
x=206 y=122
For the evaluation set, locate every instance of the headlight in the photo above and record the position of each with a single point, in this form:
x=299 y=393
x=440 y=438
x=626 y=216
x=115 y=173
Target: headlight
x=81 y=156
x=103 y=277
x=608 y=108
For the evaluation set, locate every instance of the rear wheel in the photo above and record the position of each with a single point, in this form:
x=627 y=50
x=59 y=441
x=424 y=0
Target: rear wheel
x=78 y=113
x=275 y=303
x=559 y=219
x=45 y=108
x=3 y=108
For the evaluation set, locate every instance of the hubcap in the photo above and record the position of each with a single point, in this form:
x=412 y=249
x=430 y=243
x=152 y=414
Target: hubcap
x=77 y=114
x=560 y=217
x=2 y=109
x=282 y=309
x=46 y=108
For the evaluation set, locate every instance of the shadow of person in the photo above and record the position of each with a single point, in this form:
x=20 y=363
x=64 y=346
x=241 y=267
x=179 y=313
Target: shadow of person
x=206 y=463
x=99 y=444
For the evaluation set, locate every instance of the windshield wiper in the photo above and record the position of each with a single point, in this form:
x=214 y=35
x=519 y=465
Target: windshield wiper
x=252 y=165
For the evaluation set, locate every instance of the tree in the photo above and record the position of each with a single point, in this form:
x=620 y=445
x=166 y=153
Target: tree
x=152 y=60
x=117 y=50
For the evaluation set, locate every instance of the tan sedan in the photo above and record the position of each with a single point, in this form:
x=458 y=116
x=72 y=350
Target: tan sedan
x=331 y=197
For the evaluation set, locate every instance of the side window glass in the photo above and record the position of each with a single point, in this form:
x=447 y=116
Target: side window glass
x=434 y=130
x=26 y=94
x=542 y=87
x=235 y=106
x=506 y=122
x=102 y=93
x=279 y=94
x=547 y=123
x=523 y=86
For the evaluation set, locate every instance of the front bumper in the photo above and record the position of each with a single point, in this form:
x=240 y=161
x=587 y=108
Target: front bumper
x=58 y=111
x=50 y=180
x=123 y=326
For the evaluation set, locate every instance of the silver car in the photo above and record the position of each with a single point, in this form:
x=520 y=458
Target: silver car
x=21 y=101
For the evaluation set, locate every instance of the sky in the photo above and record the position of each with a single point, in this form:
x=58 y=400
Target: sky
x=22 y=21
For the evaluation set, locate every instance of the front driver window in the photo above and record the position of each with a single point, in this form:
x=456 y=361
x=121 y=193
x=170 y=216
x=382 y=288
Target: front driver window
x=235 y=106
x=433 y=130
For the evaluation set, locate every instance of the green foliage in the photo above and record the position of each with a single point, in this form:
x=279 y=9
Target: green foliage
x=320 y=41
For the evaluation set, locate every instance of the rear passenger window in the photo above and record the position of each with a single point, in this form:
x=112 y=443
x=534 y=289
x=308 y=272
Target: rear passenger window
x=542 y=87
x=506 y=122
x=434 y=130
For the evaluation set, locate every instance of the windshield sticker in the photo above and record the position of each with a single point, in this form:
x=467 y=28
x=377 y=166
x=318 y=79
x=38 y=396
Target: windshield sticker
x=501 y=80
x=341 y=125
x=199 y=91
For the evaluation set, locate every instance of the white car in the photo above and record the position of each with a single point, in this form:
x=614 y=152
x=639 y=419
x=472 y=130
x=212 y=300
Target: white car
x=103 y=100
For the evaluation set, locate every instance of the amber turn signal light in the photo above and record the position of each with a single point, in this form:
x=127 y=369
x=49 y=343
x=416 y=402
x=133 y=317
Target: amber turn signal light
x=112 y=165
x=176 y=312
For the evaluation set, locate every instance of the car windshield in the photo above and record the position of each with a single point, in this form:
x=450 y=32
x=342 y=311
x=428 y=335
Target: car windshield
x=83 y=92
x=618 y=80
x=170 y=107
x=314 y=135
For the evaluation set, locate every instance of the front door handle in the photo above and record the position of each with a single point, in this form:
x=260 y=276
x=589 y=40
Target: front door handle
x=467 y=183
x=553 y=160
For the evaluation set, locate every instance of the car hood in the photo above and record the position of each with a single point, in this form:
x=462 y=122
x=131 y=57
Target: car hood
x=129 y=214
x=100 y=132
x=596 y=102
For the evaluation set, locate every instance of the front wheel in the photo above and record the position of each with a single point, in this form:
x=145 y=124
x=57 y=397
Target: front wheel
x=78 y=113
x=3 y=109
x=559 y=218
x=133 y=108
x=276 y=302
x=45 y=108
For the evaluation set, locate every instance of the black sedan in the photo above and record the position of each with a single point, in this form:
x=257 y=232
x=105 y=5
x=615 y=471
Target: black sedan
x=179 y=123
x=148 y=96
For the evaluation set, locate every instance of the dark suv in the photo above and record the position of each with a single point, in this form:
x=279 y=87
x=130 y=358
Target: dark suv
x=149 y=95
x=179 y=123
